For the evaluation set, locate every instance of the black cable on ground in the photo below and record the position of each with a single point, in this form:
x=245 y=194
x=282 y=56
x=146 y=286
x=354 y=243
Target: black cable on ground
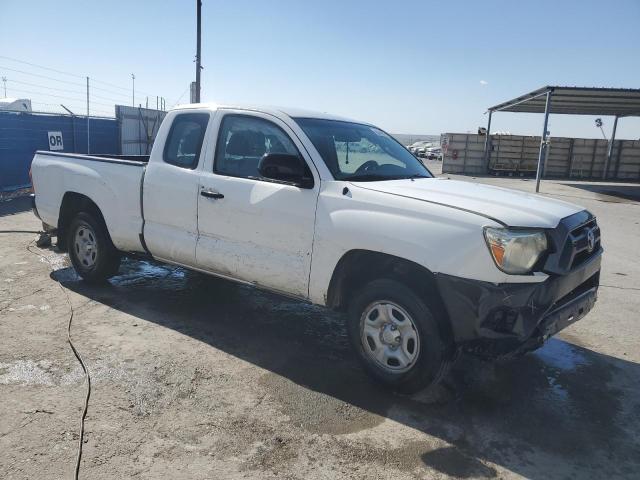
x=77 y=355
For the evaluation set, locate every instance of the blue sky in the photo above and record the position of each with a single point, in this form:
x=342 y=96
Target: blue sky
x=408 y=66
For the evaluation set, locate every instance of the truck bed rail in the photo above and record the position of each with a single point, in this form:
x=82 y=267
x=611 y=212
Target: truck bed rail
x=133 y=160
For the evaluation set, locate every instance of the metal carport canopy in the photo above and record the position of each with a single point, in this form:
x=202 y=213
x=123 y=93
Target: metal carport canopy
x=618 y=102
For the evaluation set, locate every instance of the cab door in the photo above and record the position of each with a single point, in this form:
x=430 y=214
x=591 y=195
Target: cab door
x=251 y=228
x=170 y=188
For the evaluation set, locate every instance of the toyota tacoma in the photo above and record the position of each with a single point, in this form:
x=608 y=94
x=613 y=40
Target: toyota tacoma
x=337 y=213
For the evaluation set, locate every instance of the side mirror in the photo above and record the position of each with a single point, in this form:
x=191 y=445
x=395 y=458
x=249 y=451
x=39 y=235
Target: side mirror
x=285 y=168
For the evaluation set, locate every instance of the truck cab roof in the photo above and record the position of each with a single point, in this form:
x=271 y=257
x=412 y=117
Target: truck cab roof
x=272 y=110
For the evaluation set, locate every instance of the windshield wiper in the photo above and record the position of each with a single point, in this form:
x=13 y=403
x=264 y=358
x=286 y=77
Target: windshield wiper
x=366 y=177
x=370 y=177
x=415 y=175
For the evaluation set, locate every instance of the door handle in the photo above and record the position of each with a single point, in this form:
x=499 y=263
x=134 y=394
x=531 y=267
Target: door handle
x=211 y=194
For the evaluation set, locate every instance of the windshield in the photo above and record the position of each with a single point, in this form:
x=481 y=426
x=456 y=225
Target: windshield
x=357 y=152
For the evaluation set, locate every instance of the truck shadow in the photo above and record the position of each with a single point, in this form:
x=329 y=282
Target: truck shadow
x=12 y=206
x=565 y=411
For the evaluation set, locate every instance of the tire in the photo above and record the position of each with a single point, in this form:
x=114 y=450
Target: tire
x=90 y=248
x=419 y=358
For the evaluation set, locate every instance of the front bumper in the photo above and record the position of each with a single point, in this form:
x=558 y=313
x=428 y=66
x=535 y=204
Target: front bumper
x=494 y=320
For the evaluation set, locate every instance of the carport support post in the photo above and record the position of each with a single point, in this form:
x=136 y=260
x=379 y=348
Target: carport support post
x=543 y=142
x=610 y=149
x=487 y=141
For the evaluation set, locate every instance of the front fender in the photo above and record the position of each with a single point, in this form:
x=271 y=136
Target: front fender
x=437 y=237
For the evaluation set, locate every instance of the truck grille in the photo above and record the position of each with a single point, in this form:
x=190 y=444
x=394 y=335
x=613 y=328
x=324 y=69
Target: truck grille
x=581 y=244
x=575 y=240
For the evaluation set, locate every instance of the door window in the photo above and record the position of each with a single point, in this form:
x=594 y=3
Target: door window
x=244 y=140
x=184 y=142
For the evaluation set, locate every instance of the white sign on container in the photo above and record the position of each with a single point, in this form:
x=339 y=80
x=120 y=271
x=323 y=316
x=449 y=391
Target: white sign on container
x=55 y=141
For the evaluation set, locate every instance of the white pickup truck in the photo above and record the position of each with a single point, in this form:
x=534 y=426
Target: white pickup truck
x=337 y=213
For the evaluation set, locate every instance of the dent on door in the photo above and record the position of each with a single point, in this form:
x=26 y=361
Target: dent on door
x=261 y=232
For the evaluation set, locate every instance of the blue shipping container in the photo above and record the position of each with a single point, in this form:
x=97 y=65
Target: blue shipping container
x=22 y=133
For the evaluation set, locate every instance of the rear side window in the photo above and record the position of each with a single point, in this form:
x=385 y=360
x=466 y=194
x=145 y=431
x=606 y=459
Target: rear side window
x=184 y=142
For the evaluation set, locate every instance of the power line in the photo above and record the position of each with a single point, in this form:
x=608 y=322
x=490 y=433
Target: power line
x=182 y=95
x=41 y=76
x=40 y=66
x=63 y=90
x=58 y=80
x=68 y=82
x=46 y=94
x=107 y=90
x=42 y=86
x=66 y=73
x=93 y=80
x=124 y=88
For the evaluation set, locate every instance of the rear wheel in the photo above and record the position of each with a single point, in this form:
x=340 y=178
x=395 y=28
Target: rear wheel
x=90 y=249
x=397 y=336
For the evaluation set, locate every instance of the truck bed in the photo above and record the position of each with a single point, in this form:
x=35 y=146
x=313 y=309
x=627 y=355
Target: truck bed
x=112 y=182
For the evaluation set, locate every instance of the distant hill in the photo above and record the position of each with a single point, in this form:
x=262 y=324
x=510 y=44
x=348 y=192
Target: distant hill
x=408 y=139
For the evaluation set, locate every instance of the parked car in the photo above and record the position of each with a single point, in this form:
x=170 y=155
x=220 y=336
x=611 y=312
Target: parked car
x=423 y=267
x=422 y=149
x=413 y=148
x=433 y=153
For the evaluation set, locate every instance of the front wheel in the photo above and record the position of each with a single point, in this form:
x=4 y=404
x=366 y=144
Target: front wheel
x=397 y=337
x=90 y=248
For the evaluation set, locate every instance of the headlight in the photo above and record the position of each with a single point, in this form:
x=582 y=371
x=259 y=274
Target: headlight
x=515 y=252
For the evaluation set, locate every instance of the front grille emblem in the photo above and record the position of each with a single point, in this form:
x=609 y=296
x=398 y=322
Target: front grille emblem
x=591 y=240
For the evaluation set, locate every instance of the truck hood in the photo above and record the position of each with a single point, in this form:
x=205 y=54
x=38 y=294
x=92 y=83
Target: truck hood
x=510 y=207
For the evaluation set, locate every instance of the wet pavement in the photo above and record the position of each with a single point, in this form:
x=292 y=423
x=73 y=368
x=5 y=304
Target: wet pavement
x=196 y=377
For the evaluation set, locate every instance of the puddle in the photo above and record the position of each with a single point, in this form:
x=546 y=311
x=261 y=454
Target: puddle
x=561 y=361
x=561 y=355
x=132 y=272
x=137 y=272
x=56 y=261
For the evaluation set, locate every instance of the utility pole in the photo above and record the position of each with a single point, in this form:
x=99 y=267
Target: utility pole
x=4 y=81
x=198 y=53
x=88 y=137
x=133 y=90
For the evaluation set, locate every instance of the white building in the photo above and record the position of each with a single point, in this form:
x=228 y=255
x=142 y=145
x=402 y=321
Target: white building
x=15 y=104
